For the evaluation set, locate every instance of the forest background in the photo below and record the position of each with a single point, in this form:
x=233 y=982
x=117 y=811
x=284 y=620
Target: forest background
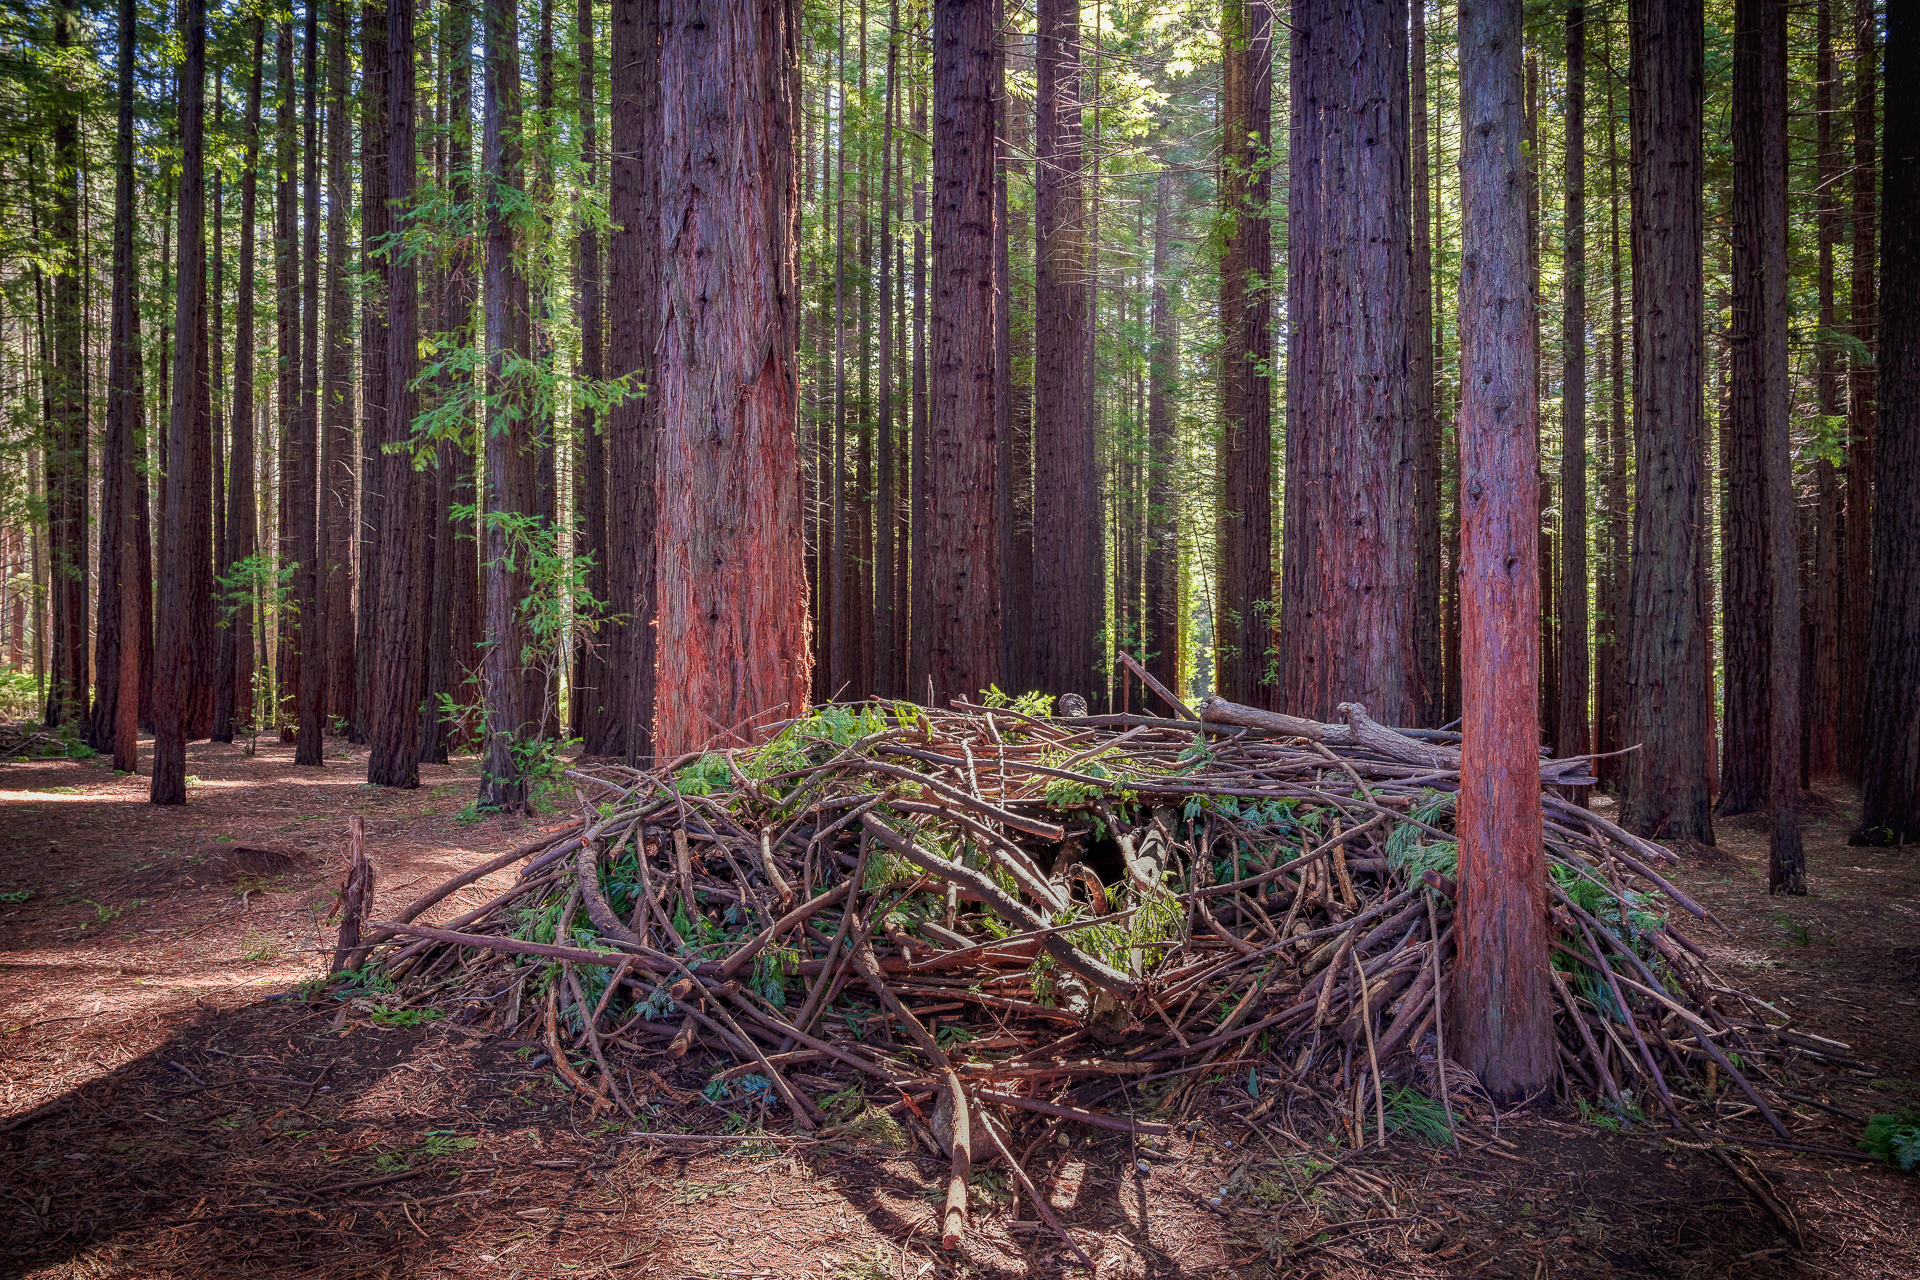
x=1179 y=467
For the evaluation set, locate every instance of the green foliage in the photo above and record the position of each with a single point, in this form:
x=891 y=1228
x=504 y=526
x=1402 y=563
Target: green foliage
x=1410 y=1111
x=1895 y=1138
x=19 y=694
x=1036 y=704
x=405 y=1017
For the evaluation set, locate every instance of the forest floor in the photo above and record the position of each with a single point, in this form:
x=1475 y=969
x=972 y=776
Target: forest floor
x=170 y=1106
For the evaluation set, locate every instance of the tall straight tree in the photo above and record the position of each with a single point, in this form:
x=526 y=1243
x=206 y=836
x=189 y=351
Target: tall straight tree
x=1665 y=698
x=1162 y=587
x=336 y=512
x=233 y=700
x=509 y=461
x=1427 y=625
x=729 y=556
x=304 y=508
x=376 y=221
x=1762 y=620
x=1823 y=597
x=115 y=724
x=173 y=643
x=633 y=78
x=116 y=628
x=1349 y=565
x=960 y=507
x=1501 y=1006
x=591 y=704
x=1574 y=685
x=1066 y=548
x=1862 y=396
x=393 y=728
x=65 y=453
x=1243 y=614
x=1890 y=773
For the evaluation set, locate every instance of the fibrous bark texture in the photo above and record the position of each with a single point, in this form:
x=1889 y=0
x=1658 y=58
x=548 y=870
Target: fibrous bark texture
x=1243 y=612
x=1161 y=640
x=173 y=645
x=633 y=314
x=1066 y=533
x=1502 y=1004
x=393 y=730
x=961 y=510
x=1348 y=570
x=1890 y=771
x=729 y=560
x=1573 y=686
x=1665 y=696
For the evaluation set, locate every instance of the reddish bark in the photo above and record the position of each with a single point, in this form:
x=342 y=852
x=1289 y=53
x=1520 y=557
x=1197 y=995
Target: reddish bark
x=1890 y=774
x=732 y=607
x=336 y=511
x=1427 y=641
x=393 y=730
x=591 y=705
x=173 y=645
x=1066 y=535
x=1666 y=713
x=1161 y=640
x=960 y=507
x=1572 y=687
x=1822 y=605
x=1501 y=1005
x=1862 y=395
x=508 y=458
x=115 y=725
x=1243 y=613
x=1349 y=574
x=633 y=425
x=376 y=222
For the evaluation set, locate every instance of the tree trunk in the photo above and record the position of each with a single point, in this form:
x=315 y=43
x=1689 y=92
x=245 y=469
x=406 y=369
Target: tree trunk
x=1763 y=735
x=1014 y=399
x=1243 y=611
x=1065 y=555
x=729 y=559
x=633 y=308
x=65 y=455
x=1862 y=395
x=1427 y=641
x=592 y=722
x=336 y=482
x=376 y=221
x=1890 y=773
x=961 y=506
x=1613 y=655
x=393 y=731
x=456 y=601
x=1501 y=1003
x=309 y=507
x=115 y=726
x=173 y=645
x=1346 y=634
x=509 y=461
x=1666 y=712
x=1821 y=733
x=887 y=681
x=1161 y=640
x=1573 y=685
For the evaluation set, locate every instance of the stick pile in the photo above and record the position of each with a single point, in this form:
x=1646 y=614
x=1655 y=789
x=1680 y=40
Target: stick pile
x=996 y=915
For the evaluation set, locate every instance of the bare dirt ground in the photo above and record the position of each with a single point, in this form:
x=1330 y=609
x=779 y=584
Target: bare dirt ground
x=170 y=1106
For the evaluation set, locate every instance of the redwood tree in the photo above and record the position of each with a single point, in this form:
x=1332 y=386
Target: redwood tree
x=393 y=722
x=1890 y=769
x=1665 y=695
x=1162 y=588
x=1066 y=546
x=729 y=559
x=1243 y=607
x=65 y=453
x=173 y=645
x=115 y=725
x=1501 y=1007
x=508 y=461
x=1349 y=570
x=591 y=706
x=633 y=77
x=335 y=531
x=1574 y=684
x=960 y=507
